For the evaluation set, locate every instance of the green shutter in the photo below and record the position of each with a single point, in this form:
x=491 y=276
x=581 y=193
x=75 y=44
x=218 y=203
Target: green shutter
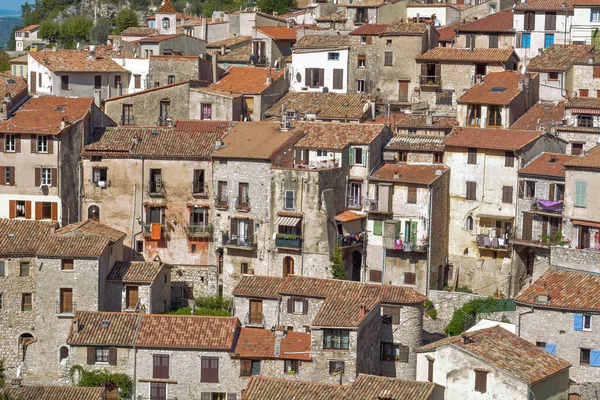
x=413 y=232
x=364 y=157
x=351 y=156
x=377 y=228
x=580 y=194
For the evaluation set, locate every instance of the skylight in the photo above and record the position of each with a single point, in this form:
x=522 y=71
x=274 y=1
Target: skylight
x=497 y=89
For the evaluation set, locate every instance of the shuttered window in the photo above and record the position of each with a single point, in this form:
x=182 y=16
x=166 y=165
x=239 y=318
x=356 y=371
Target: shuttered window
x=297 y=305
x=338 y=79
x=377 y=228
x=66 y=300
x=388 y=59
x=472 y=156
x=392 y=312
x=509 y=159
x=493 y=42
x=507 y=194
x=529 y=21
x=480 y=381
x=430 y=370
x=580 y=194
x=160 y=366
x=374 y=276
x=412 y=195
x=596 y=73
x=550 y=21
x=471 y=190
x=410 y=278
x=209 y=372
x=158 y=391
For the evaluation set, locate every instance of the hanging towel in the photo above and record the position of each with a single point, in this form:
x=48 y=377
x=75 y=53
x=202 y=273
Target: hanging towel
x=155 y=232
x=495 y=243
x=486 y=241
x=398 y=244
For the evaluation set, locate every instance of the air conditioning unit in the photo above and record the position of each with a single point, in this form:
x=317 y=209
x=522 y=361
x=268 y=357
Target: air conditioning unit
x=102 y=184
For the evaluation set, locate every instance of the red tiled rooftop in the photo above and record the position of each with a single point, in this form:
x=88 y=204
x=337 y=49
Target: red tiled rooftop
x=91 y=227
x=328 y=136
x=278 y=32
x=409 y=173
x=547 y=164
x=72 y=61
x=247 y=80
x=447 y=33
x=369 y=29
x=144 y=272
x=458 y=55
x=348 y=216
x=498 y=22
x=15 y=85
x=560 y=57
x=500 y=139
x=28 y=28
x=260 y=343
x=498 y=88
x=591 y=159
x=323 y=105
x=166 y=7
x=194 y=125
x=53 y=392
x=118 y=330
x=544 y=5
x=544 y=112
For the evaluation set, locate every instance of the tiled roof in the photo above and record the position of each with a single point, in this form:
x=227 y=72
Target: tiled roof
x=258 y=286
x=139 y=31
x=43 y=115
x=229 y=42
x=322 y=41
x=73 y=246
x=453 y=54
x=328 y=136
x=278 y=32
x=19 y=60
x=162 y=38
x=338 y=16
x=501 y=139
x=416 y=142
x=20 y=236
x=364 y=387
x=260 y=343
x=547 y=164
x=420 y=121
x=369 y=29
x=72 y=61
x=405 y=29
x=134 y=271
x=348 y=216
x=583 y=3
x=367 y=3
x=294 y=14
x=448 y=33
x=166 y=7
x=498 y=88
x=178 y=16
x=545 y=112
x=254 y=140
x=559 y=57
x=544 y=5
x=591 y=159
x=238 y=55
x=442 y=342
x=150 y=142
x=91 y=227
x=409 y=173
x=323 y=105
x=498 y=22
x=53 y=392
x=154 y=89
x=246 y=80
x=194 y=125
x=117 y=330
x=567 y=289
x=438 y=5
x=186 y=332
x=28 y=28
x=14 y=85
x=583 y=102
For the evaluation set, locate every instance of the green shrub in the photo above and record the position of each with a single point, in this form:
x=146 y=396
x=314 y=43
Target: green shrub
x=430 y=309
x=466 y=316
x=103 y=379
x=213 y=302
x=208 y=312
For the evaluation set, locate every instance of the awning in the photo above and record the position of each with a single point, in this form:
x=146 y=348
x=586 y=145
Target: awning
x=287 y=221
x=591 y=224
x=500 y=217
x=348 y=216
x=576 y=110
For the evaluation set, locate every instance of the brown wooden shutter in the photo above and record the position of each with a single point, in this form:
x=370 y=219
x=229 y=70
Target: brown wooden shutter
x=50 y=144
x=290 y=305
x=33 y=141
x=112 y=356
x=305 y=306
x=251 y=230
x=54 y=177
x=17 y=144
x=551 y=191
x=430 y=370
x=13 y=177
x=424 y=72
x=518 y=39
x=338 y=78
x=231 y=396
x=38 y=210
x=374 y=275
x=521 y=189
x=38 y=177
x=12 y=210
x=438 y=70
x=2 y=175
x=1 y=142
x=54 y=211
x=206 y=396
x=321 y=77
x=369 y=39
x=91 y=355
x=233 y=227
x=307 y=77
x=28 y=209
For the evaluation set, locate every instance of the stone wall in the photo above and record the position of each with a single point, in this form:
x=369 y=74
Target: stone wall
x=573 y=135
x=181 y=68
x=586 y=260
x=194 y=281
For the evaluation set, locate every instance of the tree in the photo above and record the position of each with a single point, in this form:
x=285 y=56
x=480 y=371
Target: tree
x=338 y=271
x=103 y=379
x=75 y=30
x=50 y=31
x=280 y=6
x=126 y=18
x=11 y=45
x=466 y=316
x=99 y=32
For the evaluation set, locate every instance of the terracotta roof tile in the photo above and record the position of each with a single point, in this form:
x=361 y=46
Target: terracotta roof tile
x=21 y=236
x=559 y=57
x=15 y=85
x=583 y=3
x=328 y=136
x=338 y=16
x=53 y=392
x=186 y=332
x=245 y=80
x=91 y=228
x=347 y=216
x=254 y=140
x=166 y=7
x=258 y=286
x=547 y=164
x=150 y=142
x=412 y=142
x=323 y=105
x=448 y=33
x=260 y=343
x=405 y=29
x=496 y=88
x=322 y=42
x=229 y=42
x=367 y=3
x=28 y=28
x=591 y=159
x=420 y=121
x=583 y=102
x=194 y=125
x=371 y=387
x=567 y=289
x=457 y=55
x=69 y=246
x=162 y=38
x=43 y=115
x=498 y=22
x=134 y=272
x=154 y=89
x=442 y=342
x=544 y=5
x=369 y=30
x=545 y=112
x=501 y=139
x=238 y=55
x=139 y=31
x=278 y=32
x=72 y=61
x=409 y=173
x=119 y=330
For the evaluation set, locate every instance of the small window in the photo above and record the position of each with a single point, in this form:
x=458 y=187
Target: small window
x=438 y=158
x=375 y=275
x=0 y=301
x=469 y=223
x=333 y=56
x=101 y=355
x=388 y=42
x=249 y=367
x=480 y=381
x=99 y=176
x=9 y=143
x=402 y=156
x=42 y=143
x=391 y=313
x=117 y=81
x=290 y=366
x=67 y=264
x=139 y=246
x=158 y=390
x=584 y=92
x=209 y=372
x=595 y=15
x=24 y=268
x=336 y=367
x=587 y=322
x=580 y=194
x=584 y=356
x=2 y=268
x=362 y=61
x=360 y=86
x=410 y=278
x=206 y=111
x=552 y=76
x=336 y=339
x=507 y=194
x=298 y=306
x=46 y=210
x=244 y=269
x=509 y=159
x=64 y=82
x=170 y=79
x=596 y=72
x=576 y=149
x=137 y=79
x=472 y=156
x=98 y=82
x=358 y=156
x=471 y=190
x=289 y=199
x=160 y=366
x=26 y=302
x=388 y=59
x=394 y=352
x=585 y=120
x=411 y=197
x=363 y=40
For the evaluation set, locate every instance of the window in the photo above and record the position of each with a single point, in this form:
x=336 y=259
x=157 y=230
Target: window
x=391 y=314
x=493 y=42
x=507 y=194
x=66 y=264
x=333 y=56
x=131 y=297
x=388 y=59
x=139 y=246
x=375 y=275
x=354 y=194
x=24 y=268
x=526 y=40
x=595 y=15
x=360 y=85
x=127 y=115
x=243 y=194
x=509 y=159
x=297 y=306
x=336 y=367
x=2 y=269
x=552 y=76
x=529 y=23
x=585 y=121
x=9 y=143
x=471 y=190
x=430 y=362
x=42 y=144
x=410 y=278
x=584 y=356
x=480 y=381
x=101 y=354
x=256 y=312
x=46 y=176
x=394 y=352
x=46 y=211
x=206 y=111
x=550 y=21
x=9 y=176
x=97 y=82
x=469 y=223
x=494 y=116
x=474 y=115
x=335 y=339
x=580 y=194
x=209 y=372
x=584 y=92
x=472 y=156
x=338 y=79
x=359 y=156
x=137 y=81
x=290 y=366
x=199 y=186
x=411 y=197
x=66 y=301
x=99 y=176
x=363 y=40
x=388 y=42
x=362 y=15
x=362 y=61
x=289 y=199
x=64 y=82
x=587 y=322
x=170 y=79
x=158 y=391
x=117 y=81
x=249 y=367
x=443 y=98
x=222 y=192
x=26 y=302
x=529 y=188
x=244 y=269
x=165 y=112
x=160 y=366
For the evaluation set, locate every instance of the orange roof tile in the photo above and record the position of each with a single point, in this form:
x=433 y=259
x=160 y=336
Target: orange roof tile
x=135 y=272
x=229 y=42
x=91 y=227
x=260 y=343
x=559 y=57
x=591 y=159
x=245 y=80
x=43 y=115
x=278 y=32
x=369 y=29
x=15 y=85
x=547 y=164
x=53 y=392
x=258 y=286
x=457 y=55
x=544 y=5
x=414 y=142
x=239 y=55
x=544 y=112
x=72 y=61
x=501 y=139
x=194 y=125
x=409 y=173
x=21 y=236
x=323 y=105
x=583 y=102
x=398 y=28
x=162 y=38
x=498 y=22
x=447 y=33
x=420 y=121
x=166 y=7
x=118 y=330
x=28 y=28
x=327 y=136
x=498 y=88
x=322 y=41
x=347 y=216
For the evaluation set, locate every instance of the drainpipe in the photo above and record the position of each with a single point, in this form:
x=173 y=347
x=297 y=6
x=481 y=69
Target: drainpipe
x=429 y=241
x=383 y=264
x=141 y=208
x=302 y=183
x=135 y=357
x=133 y=222
x=526 y=312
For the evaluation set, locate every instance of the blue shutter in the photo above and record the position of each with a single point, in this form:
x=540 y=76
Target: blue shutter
x=595 y=358
x=364 y=157
x=551 y=348
x=578 y=322
x=591 y=14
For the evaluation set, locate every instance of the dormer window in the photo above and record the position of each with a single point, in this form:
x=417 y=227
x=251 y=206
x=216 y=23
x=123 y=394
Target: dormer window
x=166 y=23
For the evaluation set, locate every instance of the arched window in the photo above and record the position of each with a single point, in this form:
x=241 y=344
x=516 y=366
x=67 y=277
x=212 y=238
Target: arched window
x=24 y=340
x=166 y=22
x=63 y=353
x=469 y=223
x=94 y=213
x=288 y=266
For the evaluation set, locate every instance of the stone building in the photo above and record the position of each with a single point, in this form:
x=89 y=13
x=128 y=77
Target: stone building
x=165 y=70
x=38 y=157
x=580 y=126
x=495 y=31
x=422 y=125
x=271 y=44
x=483 y=189
x=382 y=60
x=26 y=37
x=415 y=149
x=355 y=327
x=166 y=44
x=372 y=12
x=18 y=66
x=15 y=88
x=493 y=363
x=557 y=313
x=408 y=225
x=445 y=73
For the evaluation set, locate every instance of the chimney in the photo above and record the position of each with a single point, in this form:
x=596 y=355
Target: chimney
x=214 y=67
x=362 y=311
x=75 y=326
x=53 y=229
x=5 y=107
x=204 y=30
x=64 y=122
x=539 y=125
x=521 y=84
x=269 y=77
x=223 y=50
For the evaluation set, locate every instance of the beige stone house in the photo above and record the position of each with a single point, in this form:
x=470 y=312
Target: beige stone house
x=15 y=91
x=355 y=327
x=422 y=124
x=580 y=126
x=168 y=69
x=495 y=31
x=272 y=44
x=173 y=43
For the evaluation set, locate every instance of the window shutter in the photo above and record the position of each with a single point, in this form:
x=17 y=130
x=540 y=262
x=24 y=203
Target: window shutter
x=91 y=354
x=369 y=39
x=321 y=77
x=112 y=356
x=307 y=77
x=50 y=144
x=233 y=227
x=521 y=189
x=38 y=210
x=251 y=230
x=12 y=176
x=38 y=177
x=438 y=70
x=17 y=144
x=351 y=156
x=377 y=228
x=54 y=177
x=305 y=306
x=12 y=212
x=424 y=71
x=2 y=175
x=1 y=142
x=551 y=348
x=338 y=79
x=577 y=322
x=290 y=305
x=518 y=39
x=595 y=358
x=28 y=209
x=364 y=157
x=54 y=211
x=375 y=276
x=33 y=147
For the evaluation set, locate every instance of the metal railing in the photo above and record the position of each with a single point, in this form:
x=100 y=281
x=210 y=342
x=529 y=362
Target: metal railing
x=199 y=189
x=349 y=240
x=199 y=230
x=222 y=202
x=355 y=201
x=242 y=242
x=64 y=309
x=254 y=320
x=431 y=80
x=242 y=204
x=289 y=241
x=147 y=230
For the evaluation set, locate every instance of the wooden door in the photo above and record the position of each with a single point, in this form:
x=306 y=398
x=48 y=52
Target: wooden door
x=527 y=226
x=66 y=300
x=584 y=237
x=132 y=297
x=256 y=312
x=288 y=266
x=403 y=91
x=33 y=82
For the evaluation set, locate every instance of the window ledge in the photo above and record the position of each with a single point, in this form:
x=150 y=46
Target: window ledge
x=65 y=315
x=156 y=380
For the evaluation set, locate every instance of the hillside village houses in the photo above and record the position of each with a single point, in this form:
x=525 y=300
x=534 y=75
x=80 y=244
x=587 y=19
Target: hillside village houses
x=248 y=205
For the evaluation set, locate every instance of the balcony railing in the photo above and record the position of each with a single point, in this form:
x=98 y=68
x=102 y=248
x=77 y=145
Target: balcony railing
x=350 y=240
x=156 y=189
x=127 y=120
x=240 y=242
x=289 y=241
x=255 y=320
x=199 y=230
x=430 y=80
x=222 y=202
x=200 y=189
x=242 y=204
x=66 y=308
x=147 y=230
x=354 y=202
x=497 y=242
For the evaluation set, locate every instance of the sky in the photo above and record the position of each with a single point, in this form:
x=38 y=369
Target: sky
x=11 y=4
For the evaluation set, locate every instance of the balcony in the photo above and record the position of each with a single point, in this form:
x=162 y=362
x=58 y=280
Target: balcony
x=200 y=189
x=222 y=202
x=288 y=241
x=354 y=202
x=547 y=207
x=350 y=240
x=431 y=82
x=239 y=242
x=242 y=204
x=66 y=309
x=257 y=320
x=156 y=189
x=492 y=242
x=147 y=231
x=199 y=230
x=127 y=120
